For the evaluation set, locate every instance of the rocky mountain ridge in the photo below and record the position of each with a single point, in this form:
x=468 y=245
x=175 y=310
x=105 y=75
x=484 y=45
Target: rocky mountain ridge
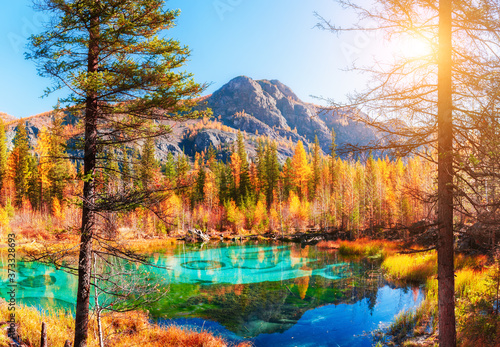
x=262 y=108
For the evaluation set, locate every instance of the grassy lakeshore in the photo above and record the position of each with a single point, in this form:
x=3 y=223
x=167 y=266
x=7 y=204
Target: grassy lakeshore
x=477 y=291
x=119 y=329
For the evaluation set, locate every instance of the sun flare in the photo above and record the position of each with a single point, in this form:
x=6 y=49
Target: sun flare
x=413 y=47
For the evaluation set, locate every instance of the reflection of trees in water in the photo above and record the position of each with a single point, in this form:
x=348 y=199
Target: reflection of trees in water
x=275 y=306
x=252 y=309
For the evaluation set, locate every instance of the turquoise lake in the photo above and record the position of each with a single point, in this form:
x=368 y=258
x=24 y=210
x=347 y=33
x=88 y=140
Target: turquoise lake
x=272 y=295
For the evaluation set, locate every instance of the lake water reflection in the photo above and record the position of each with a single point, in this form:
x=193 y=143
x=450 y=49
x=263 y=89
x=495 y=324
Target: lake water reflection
x=249 y=264
x=274 y=295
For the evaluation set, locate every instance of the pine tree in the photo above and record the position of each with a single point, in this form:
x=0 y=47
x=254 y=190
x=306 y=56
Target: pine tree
x=333 y=162
x=371 y=184
x=235 y=165
x=333 y=145
x=272 y=172
x=52 y=170
x=182 y=168
x=261 y=167
x=112 y=56
x=148 y=164
x=223 y=180
x=244 y=179
x=287 y=178
x=169 y=168
x=22 y=163
x=44 y=163
x=58 y=173
x=126 y=171
x=199 y=189
x=211 y=156
x=111 y=173
x=33 y=193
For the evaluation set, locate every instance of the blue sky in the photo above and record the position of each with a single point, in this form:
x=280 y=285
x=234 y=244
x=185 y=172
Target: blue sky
x=262 y=39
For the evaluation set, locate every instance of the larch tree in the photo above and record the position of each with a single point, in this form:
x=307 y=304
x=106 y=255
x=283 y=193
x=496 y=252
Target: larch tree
x=235 y=166
x=301 y=170
x=3 y=154
x=315 y=168
x=123 y=80
x=439 y=101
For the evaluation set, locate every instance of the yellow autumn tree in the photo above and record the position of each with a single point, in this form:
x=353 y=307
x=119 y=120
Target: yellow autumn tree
x=301 y=170
x=44 y=164
x=236 y=169
x=261 y=220
x=173 y=209
x=210 y=190
x=4 y=221
x=57 y=209
x=8 y=189
x=234 y=216
x=298 y=211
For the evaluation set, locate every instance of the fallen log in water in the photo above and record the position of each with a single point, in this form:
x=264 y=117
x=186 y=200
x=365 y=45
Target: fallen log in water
x=197 y=235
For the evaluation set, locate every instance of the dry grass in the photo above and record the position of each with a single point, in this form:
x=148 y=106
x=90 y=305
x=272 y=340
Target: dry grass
x=475 y=290
x=60 y=325
x=361 y=248
x=411 y=268
x=477 y=323
x=328 y=245
x=120 y=330
x=152 y=245
x=32 y=225
x=477 y=263
x=36 y=231
x=418 y=267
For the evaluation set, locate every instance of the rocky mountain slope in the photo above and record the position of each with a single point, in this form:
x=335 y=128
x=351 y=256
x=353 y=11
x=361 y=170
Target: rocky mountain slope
x=272 y=109
x=7 y=117
x=263 y=108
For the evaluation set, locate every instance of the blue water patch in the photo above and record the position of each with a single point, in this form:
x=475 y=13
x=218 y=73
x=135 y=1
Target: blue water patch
x=40 y=285
x=245 y=264
x=329 y=325
x=344 y=324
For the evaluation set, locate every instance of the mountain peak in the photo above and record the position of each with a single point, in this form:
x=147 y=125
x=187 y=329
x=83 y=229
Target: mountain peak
x=270 y=107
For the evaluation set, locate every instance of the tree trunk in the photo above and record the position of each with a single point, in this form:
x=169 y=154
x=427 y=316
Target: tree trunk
x=97 y=307
x=446 y=279
x=43 y=337
x=88 y=210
